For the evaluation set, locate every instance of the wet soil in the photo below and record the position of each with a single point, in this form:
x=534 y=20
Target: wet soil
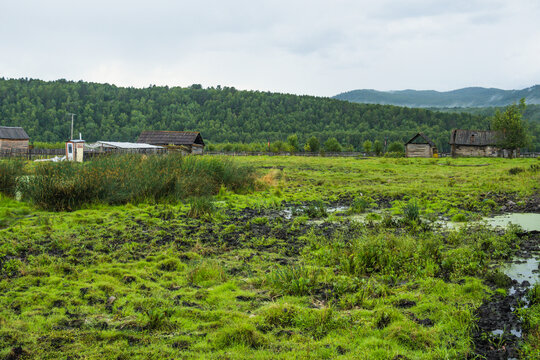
x=499 y=330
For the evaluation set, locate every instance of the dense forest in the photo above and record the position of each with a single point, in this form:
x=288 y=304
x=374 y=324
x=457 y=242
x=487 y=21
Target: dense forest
x=222 y=114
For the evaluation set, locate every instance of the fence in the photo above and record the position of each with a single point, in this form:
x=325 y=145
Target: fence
x=33 y=154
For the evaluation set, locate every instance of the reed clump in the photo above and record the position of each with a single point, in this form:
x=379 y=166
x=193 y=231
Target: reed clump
x=132 y=178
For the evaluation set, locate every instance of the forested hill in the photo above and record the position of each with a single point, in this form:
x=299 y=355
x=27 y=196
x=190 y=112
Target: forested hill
x=467 y=97
x=107 y=112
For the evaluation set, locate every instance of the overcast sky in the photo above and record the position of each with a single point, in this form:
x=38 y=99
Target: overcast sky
x=295 y=46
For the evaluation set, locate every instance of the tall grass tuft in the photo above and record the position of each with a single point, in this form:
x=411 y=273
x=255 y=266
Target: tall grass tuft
x=133 y=178
x=10 y=170
x=411 y=211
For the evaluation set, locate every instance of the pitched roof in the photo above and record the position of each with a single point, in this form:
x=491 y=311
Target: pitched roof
x=420 y=136
x=171 y=138
x=126 y=145
x=473 y=137
x=13 y=133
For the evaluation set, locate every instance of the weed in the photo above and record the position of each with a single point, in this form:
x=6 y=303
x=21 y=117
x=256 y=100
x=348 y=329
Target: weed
x=459 y=218
x=206 y=272
x=158 y=319
x=10 y=171
x=359 y=205
x=515 y=170
x=534 y=294
x=201 y=207
x=239 y=334
x=316 y=209
x=411 y=211
x=294 y=280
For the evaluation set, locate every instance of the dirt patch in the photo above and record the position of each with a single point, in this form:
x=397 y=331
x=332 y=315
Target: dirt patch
x=499 y=330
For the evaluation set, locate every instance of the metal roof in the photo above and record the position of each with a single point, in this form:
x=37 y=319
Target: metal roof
x=473 y=137
x=13 y=133
x=171 y=138
x=421 y=136
x=126 y=145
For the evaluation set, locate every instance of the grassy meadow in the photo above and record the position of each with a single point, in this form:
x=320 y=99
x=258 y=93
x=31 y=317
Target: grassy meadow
x=255 y=257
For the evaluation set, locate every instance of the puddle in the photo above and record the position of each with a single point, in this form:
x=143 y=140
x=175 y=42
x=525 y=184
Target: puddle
x=523 y=269
x=527 y=221
x=289 y=212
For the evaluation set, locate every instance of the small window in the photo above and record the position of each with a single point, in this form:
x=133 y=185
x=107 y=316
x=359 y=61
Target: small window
x=70 y=148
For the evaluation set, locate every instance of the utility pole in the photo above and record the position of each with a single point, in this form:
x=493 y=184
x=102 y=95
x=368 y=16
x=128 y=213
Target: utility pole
x=72 y=115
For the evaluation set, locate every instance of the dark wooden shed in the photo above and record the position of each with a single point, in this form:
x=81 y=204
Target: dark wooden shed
x=474 y=143
x=13 y=138
x=190 y=142
x=420 y=146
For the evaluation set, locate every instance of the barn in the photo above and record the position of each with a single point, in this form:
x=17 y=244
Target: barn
x=13 y=139
x=189 y=142
x=420 y=146
x=474 y=143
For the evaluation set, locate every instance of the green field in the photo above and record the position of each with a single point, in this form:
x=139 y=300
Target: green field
x=321 y=258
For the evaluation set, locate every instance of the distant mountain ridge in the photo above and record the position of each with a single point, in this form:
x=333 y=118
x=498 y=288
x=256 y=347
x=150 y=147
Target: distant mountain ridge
x=466 y=97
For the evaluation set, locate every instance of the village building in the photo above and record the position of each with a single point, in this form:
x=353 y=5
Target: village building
x=13 y=139
x=420 y=146
x=188 y=142
x=474 y=143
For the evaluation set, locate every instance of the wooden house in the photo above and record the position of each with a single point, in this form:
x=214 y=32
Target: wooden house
x=474 y=143
x=13 y=139
x=420 y=146
x=189 y=142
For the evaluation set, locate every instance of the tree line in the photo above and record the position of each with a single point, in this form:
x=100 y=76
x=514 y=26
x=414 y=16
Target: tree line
x=221 y=114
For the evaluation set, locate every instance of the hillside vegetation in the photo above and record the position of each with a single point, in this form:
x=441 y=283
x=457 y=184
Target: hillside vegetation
x=107 y=112
x=467 y=97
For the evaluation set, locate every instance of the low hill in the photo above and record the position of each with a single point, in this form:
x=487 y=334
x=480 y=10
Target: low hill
x=108 y=112
x=467 y=97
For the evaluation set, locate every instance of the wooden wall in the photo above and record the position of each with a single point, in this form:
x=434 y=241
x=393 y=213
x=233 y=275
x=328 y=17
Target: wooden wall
x=8 y=144
x=467 y=150
x=418 y=150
